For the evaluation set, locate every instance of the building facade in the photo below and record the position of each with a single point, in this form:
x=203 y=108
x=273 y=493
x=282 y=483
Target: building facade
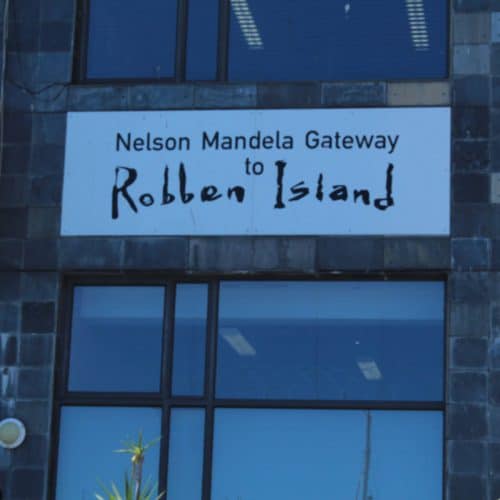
x=238 y=371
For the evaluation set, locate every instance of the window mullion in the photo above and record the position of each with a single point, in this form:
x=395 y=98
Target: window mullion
x=213 y=299
x=180 y=57
x=166 y=383
x=223 y=40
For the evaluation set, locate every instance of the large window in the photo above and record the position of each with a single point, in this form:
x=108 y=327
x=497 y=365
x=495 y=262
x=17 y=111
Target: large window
x=262 y=40
x=258 y=389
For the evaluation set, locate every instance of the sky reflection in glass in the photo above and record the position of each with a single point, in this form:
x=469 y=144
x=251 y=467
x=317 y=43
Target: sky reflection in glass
x=323 y=454
x=116 y=339
x=131 y=39
x=331 y=340
x=189 y=339
x=88 y=438
x=185 y=457
x=349 y=40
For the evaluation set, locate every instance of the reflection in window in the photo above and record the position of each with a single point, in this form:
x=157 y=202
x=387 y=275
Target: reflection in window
x=88 y=438
x=318 y=454
x=323 y=389
x=201 y=49
x=189 y=339
x=116 y=339
x=185 y=458
x=340 y=341
x=131 y=39
x=348 y=40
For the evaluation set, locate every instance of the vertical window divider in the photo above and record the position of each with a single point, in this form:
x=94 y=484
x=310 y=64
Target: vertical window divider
x=164 y=445
x=210 y=370
x=65 y=345
x=61 y=370
x=222 y=49
x=166 y=385
x=181 y=40
x=82 y=26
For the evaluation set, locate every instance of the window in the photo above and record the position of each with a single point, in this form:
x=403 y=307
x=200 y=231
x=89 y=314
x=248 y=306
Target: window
x=259 y=40
x=258 y=389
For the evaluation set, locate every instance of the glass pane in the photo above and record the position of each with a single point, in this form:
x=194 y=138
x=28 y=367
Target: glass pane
x=88 y=438
x=319 y=454
x=116 y=339
x=131 y=39
x=364 y=39
x=185 y=456
x=189 y=340
x=331 y=340
x=203 y=26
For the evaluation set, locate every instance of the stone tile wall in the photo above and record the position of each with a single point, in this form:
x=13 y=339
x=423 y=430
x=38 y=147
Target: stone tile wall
x=34 y=259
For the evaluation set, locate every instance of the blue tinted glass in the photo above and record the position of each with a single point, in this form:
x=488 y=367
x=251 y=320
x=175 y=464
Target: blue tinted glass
x=88 y=439
x=131 y=39
x=116 y=339
x=201 y=57
x=342 y=340
x=361 y=39
x=189 y=340
x=185 y=454
x=320 y=454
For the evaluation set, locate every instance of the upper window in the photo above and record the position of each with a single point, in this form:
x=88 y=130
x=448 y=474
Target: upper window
x=259 y=40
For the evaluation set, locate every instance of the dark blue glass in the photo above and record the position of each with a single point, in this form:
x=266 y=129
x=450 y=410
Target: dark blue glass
x=131 y=39
x=331 y=340
x=271 y=454
x=188 y=372
x=201 y=57
x=116 y=339
x=337 y=40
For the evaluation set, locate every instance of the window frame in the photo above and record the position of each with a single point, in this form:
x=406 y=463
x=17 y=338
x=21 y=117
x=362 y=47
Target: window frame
x=82 y=34
x=165 y=401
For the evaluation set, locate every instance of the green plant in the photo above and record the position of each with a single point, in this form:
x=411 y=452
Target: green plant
x=134 y=489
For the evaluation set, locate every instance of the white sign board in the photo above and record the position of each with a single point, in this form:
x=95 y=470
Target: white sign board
x=258 y=172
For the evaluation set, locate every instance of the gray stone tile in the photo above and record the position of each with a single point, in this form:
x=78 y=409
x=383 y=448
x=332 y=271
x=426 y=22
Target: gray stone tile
x=225 y=96
x=466 y=421
x=469 y=352
x=43 y=222
x=469 y=320
x=471 y=28
x=13 y=191
x=97 y=98
x=11 y=254
x=156 y=97
x=229 y=254
x=471 y=90
x=40 y=254
x=39 y=286
x=38 y=317
x=46 y=190
x=471 y=59
x=416 y=253
x=468 y=387
x=354 y=94
x=471 y=156
x=90 y=253
x=294 y=95
x=466 y=487
x=54 y=67
x=49 y=128
x=346 y=253
x=156 y=253
x=471 y=253
x=467 y=457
